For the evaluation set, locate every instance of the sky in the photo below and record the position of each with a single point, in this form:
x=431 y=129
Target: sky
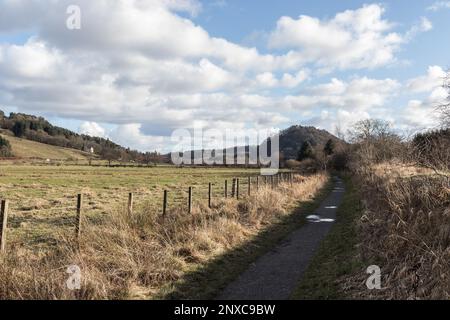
x=136 y=70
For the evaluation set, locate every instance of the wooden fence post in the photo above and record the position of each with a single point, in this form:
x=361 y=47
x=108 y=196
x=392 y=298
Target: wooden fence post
x=79 y=213
x=165 y=202
x=249 y=185
x=237 y=188
x=233 y=188
x=257 y=183
x=272 y=181
x=209 y=195
x=190 y=200
x=3 y=224
x=130 y=203
x=226 y=189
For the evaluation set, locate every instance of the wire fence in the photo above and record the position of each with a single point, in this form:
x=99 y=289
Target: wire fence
x=32 y=222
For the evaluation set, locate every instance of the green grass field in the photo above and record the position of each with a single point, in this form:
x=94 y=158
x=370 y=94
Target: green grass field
x=43 y=198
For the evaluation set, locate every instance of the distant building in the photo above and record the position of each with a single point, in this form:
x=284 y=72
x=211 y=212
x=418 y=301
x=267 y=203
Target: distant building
x=91 y=150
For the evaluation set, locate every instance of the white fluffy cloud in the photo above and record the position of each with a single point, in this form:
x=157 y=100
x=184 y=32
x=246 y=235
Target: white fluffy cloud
x=421 y=114
x=358 y=94
x=352 y=39
x=424 y=25
x=288 y=80
x=438 y=5
x=131 y=135
x=292 y=81
x=92 y=129
x=363 y=98
x=433 y=79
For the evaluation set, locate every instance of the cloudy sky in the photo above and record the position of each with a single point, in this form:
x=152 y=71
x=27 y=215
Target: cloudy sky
x=138 y=69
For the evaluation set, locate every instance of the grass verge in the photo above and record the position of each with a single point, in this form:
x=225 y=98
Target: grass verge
x=336 y=255
x=206 y=282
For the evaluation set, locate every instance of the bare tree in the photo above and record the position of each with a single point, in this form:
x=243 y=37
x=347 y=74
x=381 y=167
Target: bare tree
x=374 y=141
x=370 y=130
x=110 y=155
x=339 y=132
x=445 y=107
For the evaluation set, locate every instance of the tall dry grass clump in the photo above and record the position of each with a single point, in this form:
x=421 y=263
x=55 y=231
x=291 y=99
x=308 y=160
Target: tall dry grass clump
x=132 y=256
x=406 y=231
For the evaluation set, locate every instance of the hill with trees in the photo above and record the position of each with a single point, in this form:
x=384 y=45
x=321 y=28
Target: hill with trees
x=294 y=138
x=296 y=144
x=38 y=129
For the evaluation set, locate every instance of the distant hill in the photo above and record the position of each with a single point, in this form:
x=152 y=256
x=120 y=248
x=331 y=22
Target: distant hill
x=38 y=129
x=292 y=139
x=290 y=142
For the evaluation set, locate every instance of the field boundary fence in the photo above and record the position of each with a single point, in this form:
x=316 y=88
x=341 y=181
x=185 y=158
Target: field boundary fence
x=236 y=188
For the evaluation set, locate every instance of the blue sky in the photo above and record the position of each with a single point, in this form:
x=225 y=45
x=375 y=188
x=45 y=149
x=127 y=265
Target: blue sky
x=137 y=70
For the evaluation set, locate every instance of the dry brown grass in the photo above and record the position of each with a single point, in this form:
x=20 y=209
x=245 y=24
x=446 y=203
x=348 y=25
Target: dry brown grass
x=134 y=256
x=43 y=198
x=398 y=169
x=406 y=231
x=23 y=148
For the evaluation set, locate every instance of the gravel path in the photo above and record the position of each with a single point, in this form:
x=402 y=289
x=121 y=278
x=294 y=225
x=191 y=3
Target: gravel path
x=275 y=275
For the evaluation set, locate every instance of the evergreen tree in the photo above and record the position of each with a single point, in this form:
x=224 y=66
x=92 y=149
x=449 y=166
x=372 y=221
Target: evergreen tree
x=329 y=147
x=305 y=152
x=19 y=128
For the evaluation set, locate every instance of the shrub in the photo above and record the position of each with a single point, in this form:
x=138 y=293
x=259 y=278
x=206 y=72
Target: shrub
x=292 y=164
x=431 y=149
x=310 y=166
x=340 y=161
x=5 y=148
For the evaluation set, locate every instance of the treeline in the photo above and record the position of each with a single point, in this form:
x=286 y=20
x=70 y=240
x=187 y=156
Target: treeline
x=40 y=130
x=332 y=154
x=374 y=141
